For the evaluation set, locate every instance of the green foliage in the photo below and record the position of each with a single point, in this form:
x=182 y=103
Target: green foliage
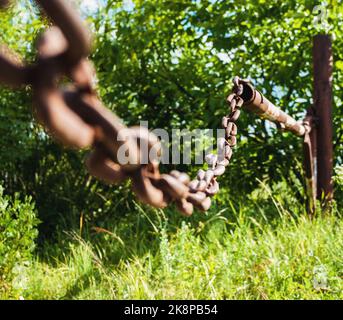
x=171 y=62
x=228 y=253
x=21 y=137
x=18 y=232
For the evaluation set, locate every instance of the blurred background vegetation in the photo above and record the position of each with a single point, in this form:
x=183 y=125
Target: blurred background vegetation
x=171 y=63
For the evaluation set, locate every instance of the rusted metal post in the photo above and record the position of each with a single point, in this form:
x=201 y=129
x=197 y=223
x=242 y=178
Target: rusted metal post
x=322 y=65
x=257 y=103
x=310 y=160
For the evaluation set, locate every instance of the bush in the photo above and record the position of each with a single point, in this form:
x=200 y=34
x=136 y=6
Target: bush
x=18 y=231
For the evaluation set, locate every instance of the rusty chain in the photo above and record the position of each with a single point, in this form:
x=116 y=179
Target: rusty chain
x=75 y=116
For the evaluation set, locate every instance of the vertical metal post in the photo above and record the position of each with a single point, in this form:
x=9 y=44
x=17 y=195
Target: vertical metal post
x=310 y=160
x=322 y=64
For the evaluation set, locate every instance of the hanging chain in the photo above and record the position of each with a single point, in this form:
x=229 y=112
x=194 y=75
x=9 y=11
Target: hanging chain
x=75 y=116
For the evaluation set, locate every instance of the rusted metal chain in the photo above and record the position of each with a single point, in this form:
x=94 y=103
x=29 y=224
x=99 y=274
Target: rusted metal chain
x=256 y=102
x=75 y=116
x=4 y=3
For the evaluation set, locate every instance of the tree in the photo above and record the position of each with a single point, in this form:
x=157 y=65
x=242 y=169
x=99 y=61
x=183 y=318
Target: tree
x=171 y=62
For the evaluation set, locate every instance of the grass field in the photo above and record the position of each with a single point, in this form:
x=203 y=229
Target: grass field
x=264 y=248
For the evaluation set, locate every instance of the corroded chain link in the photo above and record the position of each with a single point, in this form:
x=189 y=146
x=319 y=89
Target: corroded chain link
x=75 y=116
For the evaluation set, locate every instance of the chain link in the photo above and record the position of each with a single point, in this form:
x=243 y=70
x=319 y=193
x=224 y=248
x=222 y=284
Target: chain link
x=75 y=116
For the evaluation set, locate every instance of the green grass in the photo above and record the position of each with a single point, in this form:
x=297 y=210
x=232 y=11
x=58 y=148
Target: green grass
x=264 y=248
